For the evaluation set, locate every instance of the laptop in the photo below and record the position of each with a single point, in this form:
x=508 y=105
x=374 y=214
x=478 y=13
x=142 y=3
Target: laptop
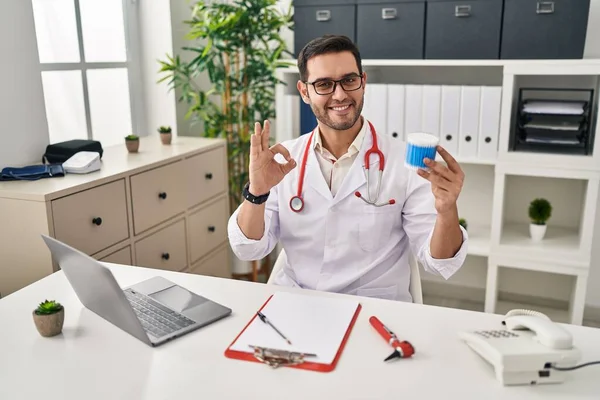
x=155 y=310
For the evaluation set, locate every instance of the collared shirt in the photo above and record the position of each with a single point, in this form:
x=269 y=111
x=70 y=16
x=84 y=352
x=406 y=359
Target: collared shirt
x=335 y=170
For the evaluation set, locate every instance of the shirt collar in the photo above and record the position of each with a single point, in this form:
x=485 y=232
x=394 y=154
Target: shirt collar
x=354 y=146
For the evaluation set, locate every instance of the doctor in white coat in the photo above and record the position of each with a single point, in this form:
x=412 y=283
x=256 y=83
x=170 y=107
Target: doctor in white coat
x=315 y=199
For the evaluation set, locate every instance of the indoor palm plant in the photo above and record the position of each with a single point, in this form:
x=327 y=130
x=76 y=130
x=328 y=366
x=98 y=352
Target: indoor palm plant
x=239 y=45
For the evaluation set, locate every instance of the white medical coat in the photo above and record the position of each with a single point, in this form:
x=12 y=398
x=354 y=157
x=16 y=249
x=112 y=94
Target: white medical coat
x=341 y=244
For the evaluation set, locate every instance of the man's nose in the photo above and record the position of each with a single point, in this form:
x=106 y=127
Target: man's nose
x=339 y=94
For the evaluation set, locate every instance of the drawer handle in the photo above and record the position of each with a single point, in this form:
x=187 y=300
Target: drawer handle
x=448 y=137
x=323 y=15
x=462 y=11
x=162 y=195
x=395 y=134
x=468 y=138
x=211 y=228
x=208 y=176
x=389 y=13
x=488 y=139
x=545 y=7
x=97 y=221
x=165 y=256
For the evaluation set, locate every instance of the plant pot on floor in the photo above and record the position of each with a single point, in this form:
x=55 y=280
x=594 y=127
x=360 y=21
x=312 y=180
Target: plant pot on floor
x=49 y=318
x=537 y=232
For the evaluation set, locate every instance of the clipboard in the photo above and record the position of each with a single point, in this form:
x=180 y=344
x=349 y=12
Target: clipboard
x=318 y=328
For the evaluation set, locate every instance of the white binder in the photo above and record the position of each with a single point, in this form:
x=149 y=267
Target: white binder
x=414 y=109
x=469 y=121
x=432 y=95
x=489 y=122
x=375 y=106
x=395 y=111
x=450 y=118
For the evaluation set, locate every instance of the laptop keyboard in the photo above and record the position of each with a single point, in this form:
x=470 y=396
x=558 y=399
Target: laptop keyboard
x=156 y=318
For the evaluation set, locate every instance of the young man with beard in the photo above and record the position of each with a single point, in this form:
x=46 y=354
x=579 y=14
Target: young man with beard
x=317 y=199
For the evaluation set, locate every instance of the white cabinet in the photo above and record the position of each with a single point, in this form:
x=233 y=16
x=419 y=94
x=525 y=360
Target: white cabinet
x=165 y=207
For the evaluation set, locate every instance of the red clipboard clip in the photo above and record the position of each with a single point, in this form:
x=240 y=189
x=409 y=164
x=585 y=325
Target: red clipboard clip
x=276 y=358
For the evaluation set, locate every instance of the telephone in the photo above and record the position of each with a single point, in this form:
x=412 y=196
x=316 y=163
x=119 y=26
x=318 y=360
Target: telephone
x=531 y=349
x=82 y=162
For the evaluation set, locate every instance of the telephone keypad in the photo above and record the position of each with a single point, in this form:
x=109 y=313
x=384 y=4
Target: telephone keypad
x=496 y=334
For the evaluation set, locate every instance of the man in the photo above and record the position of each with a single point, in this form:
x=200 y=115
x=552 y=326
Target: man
x=334 y=239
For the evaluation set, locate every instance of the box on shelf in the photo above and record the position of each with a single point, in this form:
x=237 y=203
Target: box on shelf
x=554 y=125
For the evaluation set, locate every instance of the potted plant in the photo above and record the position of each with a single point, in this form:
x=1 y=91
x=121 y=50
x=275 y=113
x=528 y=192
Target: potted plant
x=239 y=46
x=540 y=210
x=49 y=317
x=165 y=134
x=133 y=143
x=463 y=223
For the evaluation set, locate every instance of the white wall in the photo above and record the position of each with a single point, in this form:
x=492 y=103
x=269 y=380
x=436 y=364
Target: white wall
x=156 y=42
x=24 y=134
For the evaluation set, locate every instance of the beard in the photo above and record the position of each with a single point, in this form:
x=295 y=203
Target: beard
x=343 y=122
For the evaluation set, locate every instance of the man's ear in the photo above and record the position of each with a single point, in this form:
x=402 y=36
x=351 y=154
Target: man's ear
x=364 y=79
x=303 y=91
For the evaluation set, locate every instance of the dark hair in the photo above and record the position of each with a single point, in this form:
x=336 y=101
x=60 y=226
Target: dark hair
x=325 y=45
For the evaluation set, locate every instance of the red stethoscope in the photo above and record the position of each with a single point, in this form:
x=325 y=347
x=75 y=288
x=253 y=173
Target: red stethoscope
x=297 y=202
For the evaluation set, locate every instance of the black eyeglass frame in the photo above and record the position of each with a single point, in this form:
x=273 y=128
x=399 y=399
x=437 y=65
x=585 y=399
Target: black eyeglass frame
x=335 y=83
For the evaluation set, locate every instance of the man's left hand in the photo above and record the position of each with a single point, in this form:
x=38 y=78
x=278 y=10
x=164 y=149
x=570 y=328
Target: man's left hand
x=446 y=181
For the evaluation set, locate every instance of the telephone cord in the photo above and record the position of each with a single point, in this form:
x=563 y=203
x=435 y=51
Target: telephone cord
x=575 y=367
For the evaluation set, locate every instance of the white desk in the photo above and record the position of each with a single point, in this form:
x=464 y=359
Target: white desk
x=94 y=360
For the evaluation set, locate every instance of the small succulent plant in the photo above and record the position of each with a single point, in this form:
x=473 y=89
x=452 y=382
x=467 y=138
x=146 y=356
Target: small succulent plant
x=132 y=137
x=48 y=307
x=540 y=211
x=164 y=129
x=463 y=223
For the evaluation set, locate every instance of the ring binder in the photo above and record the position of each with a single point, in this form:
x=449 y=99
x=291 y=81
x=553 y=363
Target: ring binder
x=275 y=357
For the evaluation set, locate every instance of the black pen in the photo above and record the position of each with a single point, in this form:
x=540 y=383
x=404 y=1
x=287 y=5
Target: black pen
x=264 y=319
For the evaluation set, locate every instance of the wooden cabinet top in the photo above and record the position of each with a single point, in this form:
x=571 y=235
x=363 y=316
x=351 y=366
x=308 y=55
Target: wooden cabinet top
x=116 y=163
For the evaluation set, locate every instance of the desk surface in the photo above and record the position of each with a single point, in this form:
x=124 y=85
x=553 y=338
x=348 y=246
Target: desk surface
x=92 y=359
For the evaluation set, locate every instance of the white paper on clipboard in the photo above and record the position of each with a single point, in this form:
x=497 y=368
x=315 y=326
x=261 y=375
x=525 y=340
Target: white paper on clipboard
x=314 y=324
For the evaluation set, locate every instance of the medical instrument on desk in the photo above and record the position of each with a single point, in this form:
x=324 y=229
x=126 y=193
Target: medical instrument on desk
x=264 y=319
x=402 y=349
x=297 y=201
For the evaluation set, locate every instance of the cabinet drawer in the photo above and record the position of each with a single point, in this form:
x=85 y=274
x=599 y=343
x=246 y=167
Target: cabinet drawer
x=463 y=29
x=390 y=29
x=216 y=264
x=165 y=249
x=206 y=175
x=317 y=18
x=92 y=220
x=208 y=229
x=157 y=195
x=122 y=256
x=535 y=29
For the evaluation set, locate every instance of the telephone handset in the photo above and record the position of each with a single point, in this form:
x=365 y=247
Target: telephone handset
x=526 y=350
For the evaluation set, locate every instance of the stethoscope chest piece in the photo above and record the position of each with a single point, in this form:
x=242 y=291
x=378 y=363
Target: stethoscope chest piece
x=296 y=203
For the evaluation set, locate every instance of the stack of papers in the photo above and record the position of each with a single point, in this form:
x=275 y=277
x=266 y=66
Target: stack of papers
x=554 y=107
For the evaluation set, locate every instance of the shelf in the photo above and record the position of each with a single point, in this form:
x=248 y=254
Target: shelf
x=479 y=240
x=557 y=243
x=516 y=66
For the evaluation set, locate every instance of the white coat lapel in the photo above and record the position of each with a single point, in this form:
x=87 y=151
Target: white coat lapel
x=356 y=175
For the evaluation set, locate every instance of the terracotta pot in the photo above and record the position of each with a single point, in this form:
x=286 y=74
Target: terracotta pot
x=50 y=324
x=132 y=145
x=165 y=138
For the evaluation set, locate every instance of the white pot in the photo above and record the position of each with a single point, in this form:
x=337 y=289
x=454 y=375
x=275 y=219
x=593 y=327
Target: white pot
x=537 y=232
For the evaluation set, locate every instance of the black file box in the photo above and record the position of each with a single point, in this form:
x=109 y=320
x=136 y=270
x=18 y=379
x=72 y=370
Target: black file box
x=315 y=18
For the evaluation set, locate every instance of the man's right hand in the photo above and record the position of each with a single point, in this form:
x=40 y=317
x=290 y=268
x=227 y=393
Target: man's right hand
x=265 y=172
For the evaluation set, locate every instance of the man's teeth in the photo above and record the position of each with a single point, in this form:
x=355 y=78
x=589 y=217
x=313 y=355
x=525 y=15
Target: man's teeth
x=340 y=108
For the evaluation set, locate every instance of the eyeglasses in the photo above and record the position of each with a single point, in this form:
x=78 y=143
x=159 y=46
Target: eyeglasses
x=328 y=86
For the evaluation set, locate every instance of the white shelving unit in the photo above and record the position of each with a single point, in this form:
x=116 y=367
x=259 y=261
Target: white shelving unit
x=498 y=190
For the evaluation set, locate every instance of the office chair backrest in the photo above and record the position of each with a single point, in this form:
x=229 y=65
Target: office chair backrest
x=415 y=288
